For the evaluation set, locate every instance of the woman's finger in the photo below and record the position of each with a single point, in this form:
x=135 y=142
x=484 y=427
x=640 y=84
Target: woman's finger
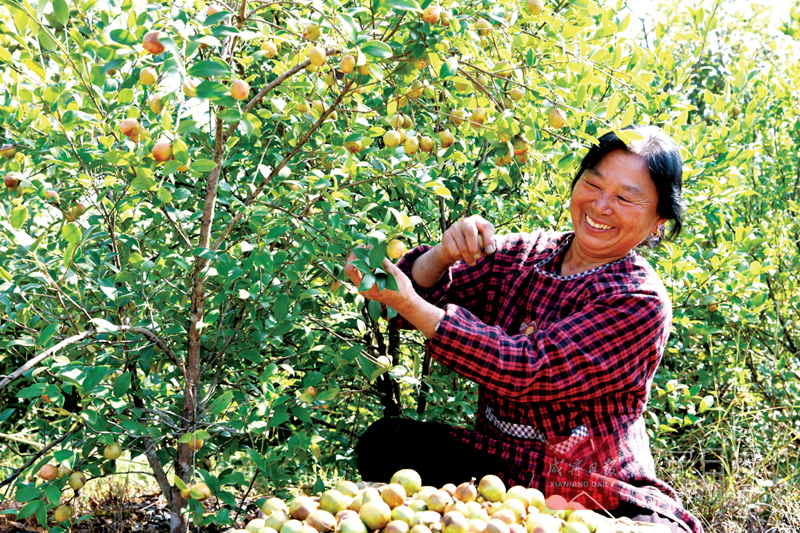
x=487 y=230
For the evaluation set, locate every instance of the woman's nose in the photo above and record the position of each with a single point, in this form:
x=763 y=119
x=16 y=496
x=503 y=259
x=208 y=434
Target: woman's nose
x=602 y=204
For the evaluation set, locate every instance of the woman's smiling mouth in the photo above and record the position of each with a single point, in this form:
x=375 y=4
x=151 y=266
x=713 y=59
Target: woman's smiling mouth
x=596 y=225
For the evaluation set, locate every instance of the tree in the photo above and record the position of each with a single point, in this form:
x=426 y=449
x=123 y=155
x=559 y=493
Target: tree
x=194 y=292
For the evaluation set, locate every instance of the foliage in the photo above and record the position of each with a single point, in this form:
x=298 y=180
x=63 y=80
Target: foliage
x=201 y=295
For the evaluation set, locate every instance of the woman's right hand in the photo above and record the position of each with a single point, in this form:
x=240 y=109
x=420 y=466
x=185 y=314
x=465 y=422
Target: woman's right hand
x=468 y=239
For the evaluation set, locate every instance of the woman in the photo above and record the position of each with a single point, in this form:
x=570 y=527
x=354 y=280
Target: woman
x=563 y=333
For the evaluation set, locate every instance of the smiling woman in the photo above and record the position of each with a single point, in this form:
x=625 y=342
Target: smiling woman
x=563 y=333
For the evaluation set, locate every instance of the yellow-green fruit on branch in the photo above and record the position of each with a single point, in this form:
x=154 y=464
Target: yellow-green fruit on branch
x=156 y=105
x=317 y=56
x=77 y=480
x=311 y=32
x=270 y=49
x=492 y=488
x=483 y=27
x=391 y=138
x=353 y=146
x=431 y=14
x=535 y=7
x=162 y=151
x=148 y=76
x=112 y=451
x=411 y=145
x=48 y=472
x=446 y=138
x=426 y=144
x=395 y=249
x=8 y=151
x=556 y=118
x=516 y=94
x=51 y=197
x=10 y=181
x=151 y=42
x=348 y=64
x=240 y=90
x=63 y=513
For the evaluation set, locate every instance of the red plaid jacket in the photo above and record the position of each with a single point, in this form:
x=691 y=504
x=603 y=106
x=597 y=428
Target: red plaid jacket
x=556 y=353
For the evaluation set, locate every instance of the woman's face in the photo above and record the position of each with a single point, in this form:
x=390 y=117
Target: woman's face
x=613 y=207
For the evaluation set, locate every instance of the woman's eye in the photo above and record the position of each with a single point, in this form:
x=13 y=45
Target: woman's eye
x=590 y=184
x=623 y=199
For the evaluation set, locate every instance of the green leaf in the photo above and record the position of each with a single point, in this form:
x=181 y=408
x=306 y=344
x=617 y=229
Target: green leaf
x=179 y=483
x=123 y=37
x=375 y=309
x=47 y=333
x=212 y=90
x=122 y=384
x=164 y=196
x=209 y=68
x=377 y=254
x=72 y=233
x=221 y=403
x=404 y=5
x=706 y=402
x=61 y=11
x=281 y=308
x=377 y=49
x=29 y=509
x=203 y=165
x=19 y=215
x=349 y=26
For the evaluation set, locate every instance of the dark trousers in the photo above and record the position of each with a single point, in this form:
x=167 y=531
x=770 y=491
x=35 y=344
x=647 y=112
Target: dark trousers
x=391 y=444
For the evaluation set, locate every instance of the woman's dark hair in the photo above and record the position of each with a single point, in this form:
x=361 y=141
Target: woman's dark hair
x=664 y=163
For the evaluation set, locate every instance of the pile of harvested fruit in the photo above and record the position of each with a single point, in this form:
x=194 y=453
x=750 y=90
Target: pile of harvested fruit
x=406 y=506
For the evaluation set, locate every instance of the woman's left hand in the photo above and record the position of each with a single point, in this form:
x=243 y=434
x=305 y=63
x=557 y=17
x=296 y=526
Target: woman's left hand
x=400 y=300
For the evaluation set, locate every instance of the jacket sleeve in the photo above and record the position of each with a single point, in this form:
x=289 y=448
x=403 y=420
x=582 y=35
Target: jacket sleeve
x=612 y=344
x=470 y=287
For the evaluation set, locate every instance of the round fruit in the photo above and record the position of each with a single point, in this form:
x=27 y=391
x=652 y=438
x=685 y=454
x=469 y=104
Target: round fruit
x=353 y=146
x=10 y=181
x=483 y=26
x=317 y=56
x=542 y=523
x=255 y=524
x=352 y=525
x=348 y=64
x=457 y=116
x=537 y=498
x=148 y=76
x=466 y=492
x=417 y=88
x=478 y=116
x=51 y=197
x=162 y=151
x=318 y=106
x=590 y=519
x=348 y=488
x=712 y=307
x=375 y=514
x=77 y=480
x=737 y=111
x=431 y=14
x=270 y=49
x=520 y=146
x=395 y=249
x=446 y=138
x=8 y=151
x=112 y=452
x=535 y=6
x=426 y=144
x=411 y=145
x=311 y=32
x=240 y=90
x=394 y=494
x=334 y=501
x=516 y=94
x=203 y=490
x=48 y=472
x=195 y=444
x=63 y=513
x=391 y=138
x=213 y=10
x=322 y=521
x=156 y=105
x=518 y=492
x=301 y=507
x=455 y=522
x=492 y=488
x=130 y=128
x=151 y=42
x=496 y=526
x=290 y=526
x=556 y=118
